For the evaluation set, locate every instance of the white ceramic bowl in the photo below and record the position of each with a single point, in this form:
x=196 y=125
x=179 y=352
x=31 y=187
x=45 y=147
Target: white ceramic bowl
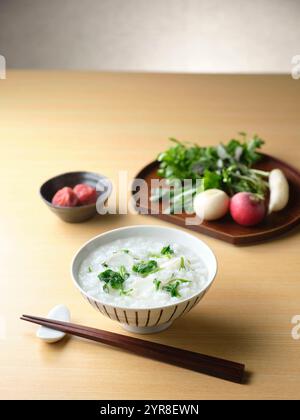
x=154 y=319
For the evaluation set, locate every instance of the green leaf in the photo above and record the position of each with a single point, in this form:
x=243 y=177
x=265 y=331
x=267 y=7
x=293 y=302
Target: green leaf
x=181 y=280
x=157 y=284
x=105 y=288
x=172 y=288
x=211 y=180
x=182 y=264
x=125 y=292
x=173 y=285
x=145 y=268
x=113 y=279
x=167 y=251
x=123 y=272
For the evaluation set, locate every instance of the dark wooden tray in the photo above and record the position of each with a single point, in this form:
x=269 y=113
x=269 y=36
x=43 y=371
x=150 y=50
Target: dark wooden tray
x=226 y=229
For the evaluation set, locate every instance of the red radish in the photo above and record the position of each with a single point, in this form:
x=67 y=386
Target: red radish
x=247 y=209
x=85 y=193
x=65 y=197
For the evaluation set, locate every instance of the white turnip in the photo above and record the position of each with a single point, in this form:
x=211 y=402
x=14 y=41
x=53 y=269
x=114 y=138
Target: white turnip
x=211 y=204
x=279 y=190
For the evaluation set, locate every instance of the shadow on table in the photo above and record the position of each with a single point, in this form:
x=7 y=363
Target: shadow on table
x=214 y=337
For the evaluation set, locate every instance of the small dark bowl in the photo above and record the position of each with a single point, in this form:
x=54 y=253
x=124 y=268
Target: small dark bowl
x=70 y=179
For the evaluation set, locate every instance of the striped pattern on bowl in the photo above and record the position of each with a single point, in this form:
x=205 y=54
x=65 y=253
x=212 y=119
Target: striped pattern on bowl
x=145 y=318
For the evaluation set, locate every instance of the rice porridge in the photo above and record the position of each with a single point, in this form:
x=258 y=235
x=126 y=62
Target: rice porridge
x=139 y=272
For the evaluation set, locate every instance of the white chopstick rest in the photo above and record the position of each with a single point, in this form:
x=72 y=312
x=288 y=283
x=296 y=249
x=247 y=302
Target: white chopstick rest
x=60 y=313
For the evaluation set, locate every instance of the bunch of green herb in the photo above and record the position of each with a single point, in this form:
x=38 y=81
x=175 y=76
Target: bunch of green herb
x=228 y=167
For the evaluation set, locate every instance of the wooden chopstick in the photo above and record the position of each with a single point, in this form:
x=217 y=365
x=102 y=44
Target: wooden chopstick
x=208 y=365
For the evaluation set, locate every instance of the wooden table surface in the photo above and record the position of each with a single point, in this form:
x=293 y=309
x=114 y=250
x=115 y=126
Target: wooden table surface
x=52 y=122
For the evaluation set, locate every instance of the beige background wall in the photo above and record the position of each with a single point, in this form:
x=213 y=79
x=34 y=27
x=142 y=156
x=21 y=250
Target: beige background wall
x=151 y=35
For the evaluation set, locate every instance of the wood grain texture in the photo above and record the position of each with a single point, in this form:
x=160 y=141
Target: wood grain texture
x=53 y=122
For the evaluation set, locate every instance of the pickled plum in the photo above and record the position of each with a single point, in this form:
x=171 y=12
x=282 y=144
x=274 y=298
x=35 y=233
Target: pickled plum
x=81 y=194
x=85 y=194
x=65 y=197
